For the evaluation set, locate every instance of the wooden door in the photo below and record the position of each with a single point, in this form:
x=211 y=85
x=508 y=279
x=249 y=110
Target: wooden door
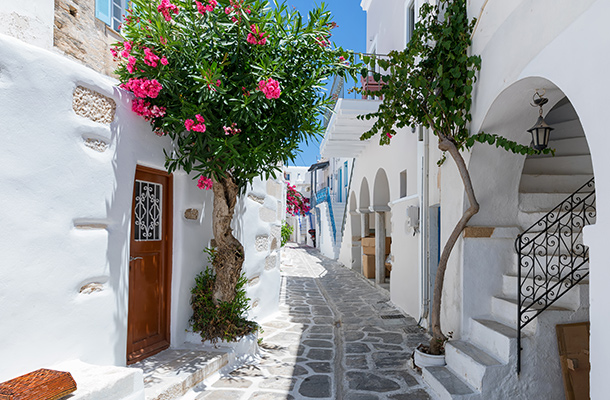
x=573 y=340
x=150 y=265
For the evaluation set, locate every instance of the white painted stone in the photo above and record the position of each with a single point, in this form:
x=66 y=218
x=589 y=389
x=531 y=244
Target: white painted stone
x=95 y=382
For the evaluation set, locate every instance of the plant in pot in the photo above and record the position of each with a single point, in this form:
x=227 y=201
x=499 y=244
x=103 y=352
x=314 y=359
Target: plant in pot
x=430 y=84
x=236 y=86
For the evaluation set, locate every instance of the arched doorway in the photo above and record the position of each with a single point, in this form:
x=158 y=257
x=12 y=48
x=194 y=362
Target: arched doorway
x=383 y=229
x=529 y=197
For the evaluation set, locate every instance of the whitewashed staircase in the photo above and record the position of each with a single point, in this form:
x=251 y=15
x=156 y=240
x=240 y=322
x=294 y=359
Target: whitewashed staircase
x=483 y=364
x=338 y=212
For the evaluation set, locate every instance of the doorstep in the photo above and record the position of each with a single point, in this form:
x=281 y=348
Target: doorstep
x=173 y=372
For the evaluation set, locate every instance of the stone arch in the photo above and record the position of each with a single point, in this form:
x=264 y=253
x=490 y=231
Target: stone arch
x=497 y=174
x=381 y=189
x=365 y=197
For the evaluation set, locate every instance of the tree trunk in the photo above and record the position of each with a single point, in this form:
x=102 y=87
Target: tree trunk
x=438 y=338
x=229 y=251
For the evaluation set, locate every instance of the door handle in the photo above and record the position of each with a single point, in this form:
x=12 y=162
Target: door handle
x=134 y=258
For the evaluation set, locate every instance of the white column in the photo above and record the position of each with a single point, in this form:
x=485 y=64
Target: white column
x=380 y=247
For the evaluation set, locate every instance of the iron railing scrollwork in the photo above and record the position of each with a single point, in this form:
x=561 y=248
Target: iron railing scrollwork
x=552 y=258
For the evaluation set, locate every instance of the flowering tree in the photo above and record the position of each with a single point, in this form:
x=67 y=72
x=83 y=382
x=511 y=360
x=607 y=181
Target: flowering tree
x=235 y=85
x=296 y=204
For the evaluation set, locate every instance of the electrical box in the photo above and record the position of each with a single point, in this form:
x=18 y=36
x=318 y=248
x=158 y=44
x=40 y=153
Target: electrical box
x=413 y=217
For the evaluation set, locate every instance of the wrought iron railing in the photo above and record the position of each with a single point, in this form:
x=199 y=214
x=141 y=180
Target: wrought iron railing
x=322 y=196
x=552 y=257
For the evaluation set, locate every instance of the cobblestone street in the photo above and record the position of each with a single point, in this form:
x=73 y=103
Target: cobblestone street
x=336 y=337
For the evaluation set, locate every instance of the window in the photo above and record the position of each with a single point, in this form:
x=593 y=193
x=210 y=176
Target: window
x=287 y=176
x=111 y=12
x=409 y=21
x=403 y=183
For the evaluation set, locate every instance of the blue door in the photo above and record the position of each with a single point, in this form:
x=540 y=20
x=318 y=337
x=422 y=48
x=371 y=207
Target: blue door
x=340 y=185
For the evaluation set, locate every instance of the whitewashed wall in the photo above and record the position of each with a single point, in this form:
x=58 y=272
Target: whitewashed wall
x=28 y=20
x=66 y=210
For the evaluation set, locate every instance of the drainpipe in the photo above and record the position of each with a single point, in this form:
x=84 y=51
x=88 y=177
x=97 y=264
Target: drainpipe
x=424 y=251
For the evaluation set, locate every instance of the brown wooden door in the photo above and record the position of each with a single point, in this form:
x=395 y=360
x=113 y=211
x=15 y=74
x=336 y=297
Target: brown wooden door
x=150 y=265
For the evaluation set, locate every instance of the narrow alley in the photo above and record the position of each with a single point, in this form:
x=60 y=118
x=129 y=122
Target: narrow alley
x=336 y=337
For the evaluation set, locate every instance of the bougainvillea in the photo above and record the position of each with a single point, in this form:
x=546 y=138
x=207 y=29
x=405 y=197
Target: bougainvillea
x=235 y=84
x=296 y=203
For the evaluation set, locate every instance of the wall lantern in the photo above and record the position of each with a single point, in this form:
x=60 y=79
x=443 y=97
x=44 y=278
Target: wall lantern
x=541 y=132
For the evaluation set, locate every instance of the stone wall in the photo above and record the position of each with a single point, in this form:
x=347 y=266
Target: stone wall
x=80 y=36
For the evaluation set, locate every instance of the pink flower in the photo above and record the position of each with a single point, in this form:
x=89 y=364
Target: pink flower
x=114 y=53
x=204 y=183
x=389 y=135
x=164 y=61
x=127 y=45
x=231 y=130
x=203 y=8
x=131 y=63
x=162 y=40
x=270 y=87
x=228 y=10
x=150 y=58
x=144 y=109
x=190 y=125
x=218 y=82
x=143 y=87
x=341 y=58
x=256 y=36
x=166 y=8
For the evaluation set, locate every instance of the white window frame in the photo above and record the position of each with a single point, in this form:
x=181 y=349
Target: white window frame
x=409 y=20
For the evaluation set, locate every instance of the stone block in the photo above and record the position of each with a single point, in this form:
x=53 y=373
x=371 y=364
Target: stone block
x=93 y=105
x=274 y=189
x=262 y=243
x=267 y=215
x=270 y=262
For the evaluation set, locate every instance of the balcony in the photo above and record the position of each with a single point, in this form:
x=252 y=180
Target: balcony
x=343 y=128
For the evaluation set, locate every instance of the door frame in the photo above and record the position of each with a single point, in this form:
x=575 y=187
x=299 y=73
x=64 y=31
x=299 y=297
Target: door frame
x=165 y=286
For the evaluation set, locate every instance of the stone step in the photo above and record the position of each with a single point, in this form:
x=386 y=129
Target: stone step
x=447 y=385
x=535 y=202
x=555 y=183
x=97 y=382
x=552 y=243
x=559 y=165
x=173 y=372
x=572 y=299
x=544 y=266
x=568 y=146
x=527 y=219
x=566 y=129
x=496 y=338
x=469 y=362
x=504 y=309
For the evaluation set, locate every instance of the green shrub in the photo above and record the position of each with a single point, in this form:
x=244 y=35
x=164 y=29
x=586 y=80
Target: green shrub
x=286 y=232
x=225 y=321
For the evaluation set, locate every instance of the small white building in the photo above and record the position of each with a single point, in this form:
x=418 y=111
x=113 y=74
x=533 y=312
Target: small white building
x=100 y=245
x=300 y=178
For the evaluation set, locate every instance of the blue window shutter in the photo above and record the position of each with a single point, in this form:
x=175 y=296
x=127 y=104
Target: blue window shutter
x=102 y=11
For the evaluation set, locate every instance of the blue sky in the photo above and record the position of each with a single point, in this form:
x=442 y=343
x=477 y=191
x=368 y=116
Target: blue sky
x=351 y=34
